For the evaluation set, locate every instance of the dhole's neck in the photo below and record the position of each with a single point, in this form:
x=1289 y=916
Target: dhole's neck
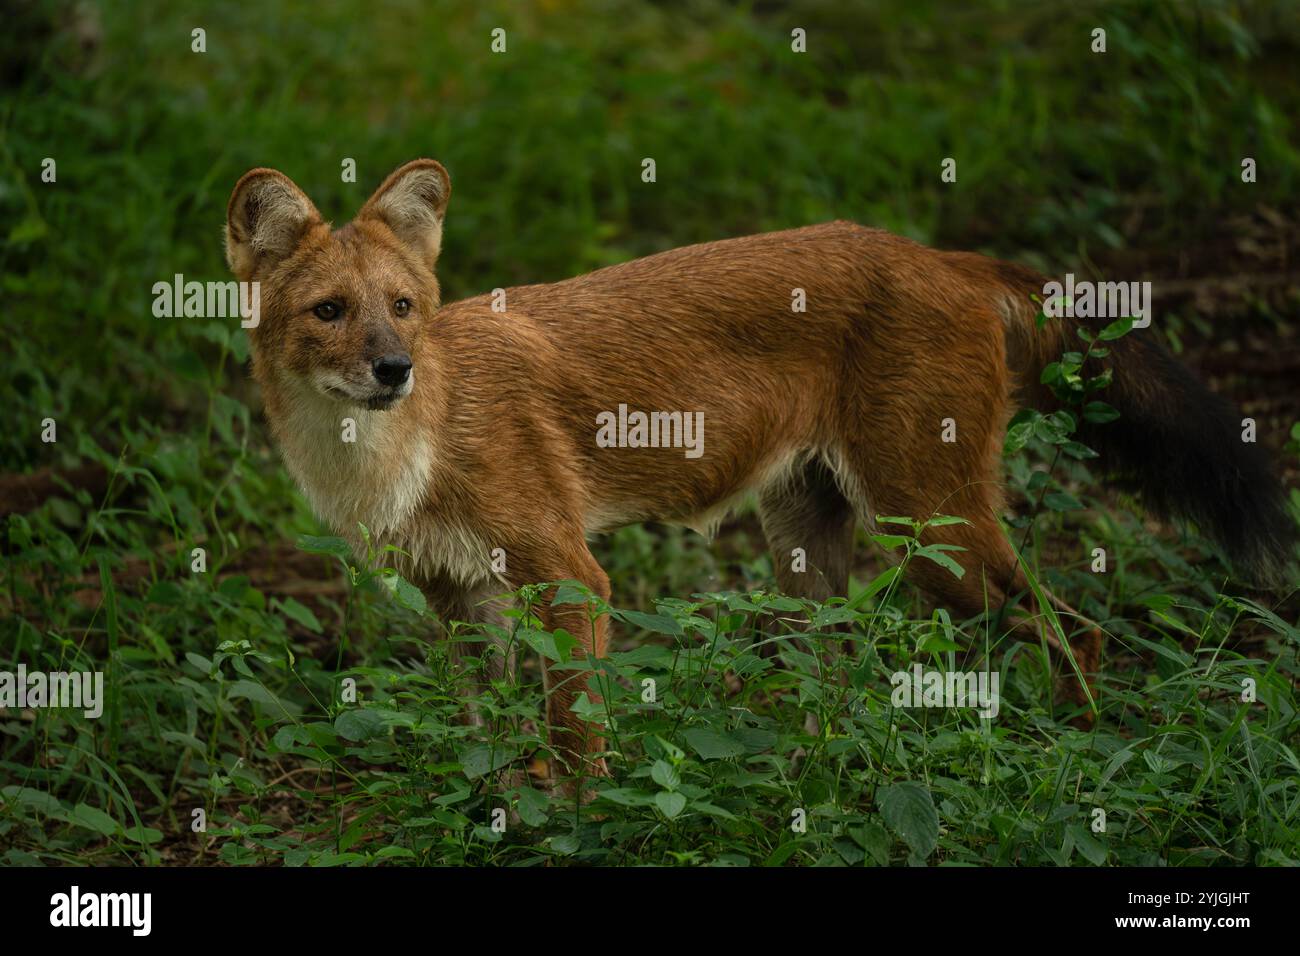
x=354 y=465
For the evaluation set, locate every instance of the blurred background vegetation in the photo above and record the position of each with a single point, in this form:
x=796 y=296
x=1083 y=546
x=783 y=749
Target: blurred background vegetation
x=1125 y=164
x=1065 y=157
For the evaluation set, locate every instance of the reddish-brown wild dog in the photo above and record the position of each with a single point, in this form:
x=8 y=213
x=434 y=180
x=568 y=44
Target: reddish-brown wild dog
x=477 y=429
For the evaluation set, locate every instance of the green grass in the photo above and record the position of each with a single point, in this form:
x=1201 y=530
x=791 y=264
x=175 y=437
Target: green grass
x=225 y=688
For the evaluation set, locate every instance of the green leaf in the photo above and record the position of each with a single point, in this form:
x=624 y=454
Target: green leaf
x=42 y=801
x=1092 y=849
x=1099 y=413
x=571 y=593
x=669 y=803
x=712 y=810
x=359 y=725
x=93 y=818
x=627 y=797
x=894 y=519
x=483 y=759
x=588 y=709
x=1055 y=429
x=404 y=592
x=1115 y=330
x=1063 y=421
x=532 y=806
x=873 y=838
x=565 y=843
x=252 y=690
x=1099 y=381
x=143 y=834
x=556 y=646
x=909 y=811
x=404 y=852
x=936 y=642
x=754 y=739
x=712 y=745
x=943 y=521
x=936 y=553
x=1017 y=437
x=664 y=774
x=300 y=613
x=882 y=580
x=28 y=230
x=335 y=547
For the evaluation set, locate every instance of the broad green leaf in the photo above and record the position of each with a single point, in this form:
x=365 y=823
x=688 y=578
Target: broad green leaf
x=909 y=811
x=532 y=806
x=359 y=724
x=483 y=759
x=627 y=796
x=669 y=803
x=1089 y=846
x=404 y=592
x=94 y=819
x=712 y=745
x=664 y=774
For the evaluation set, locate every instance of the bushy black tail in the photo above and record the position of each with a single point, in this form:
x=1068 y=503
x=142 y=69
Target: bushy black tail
x=1181 y=448
x=1176 y=444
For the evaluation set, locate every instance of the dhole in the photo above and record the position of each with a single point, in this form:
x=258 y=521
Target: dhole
x=476 y=429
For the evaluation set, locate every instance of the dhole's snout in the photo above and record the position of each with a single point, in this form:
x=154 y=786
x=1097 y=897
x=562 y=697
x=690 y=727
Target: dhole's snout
x=392 y=373
x=392 y=370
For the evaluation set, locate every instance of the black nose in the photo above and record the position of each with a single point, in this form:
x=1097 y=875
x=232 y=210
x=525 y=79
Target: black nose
x=392 y=370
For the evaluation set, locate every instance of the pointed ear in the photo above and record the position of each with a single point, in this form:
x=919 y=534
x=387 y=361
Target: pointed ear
x=411 y=202
x=265 y=219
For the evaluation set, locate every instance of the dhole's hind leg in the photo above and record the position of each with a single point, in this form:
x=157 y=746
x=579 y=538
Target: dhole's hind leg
x=483 y=653
x=809 y=527
x=991 y=573
x=477 y=658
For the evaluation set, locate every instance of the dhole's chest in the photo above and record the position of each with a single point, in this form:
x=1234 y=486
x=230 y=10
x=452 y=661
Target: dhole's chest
x=356 y=470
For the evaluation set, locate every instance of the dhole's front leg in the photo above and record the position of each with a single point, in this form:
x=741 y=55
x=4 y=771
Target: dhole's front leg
x=575 y=741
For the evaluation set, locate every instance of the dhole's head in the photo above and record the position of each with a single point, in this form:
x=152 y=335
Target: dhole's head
x=340 y=308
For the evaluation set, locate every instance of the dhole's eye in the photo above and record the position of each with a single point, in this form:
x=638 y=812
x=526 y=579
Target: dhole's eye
x=401 y=307
x=326 y=311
